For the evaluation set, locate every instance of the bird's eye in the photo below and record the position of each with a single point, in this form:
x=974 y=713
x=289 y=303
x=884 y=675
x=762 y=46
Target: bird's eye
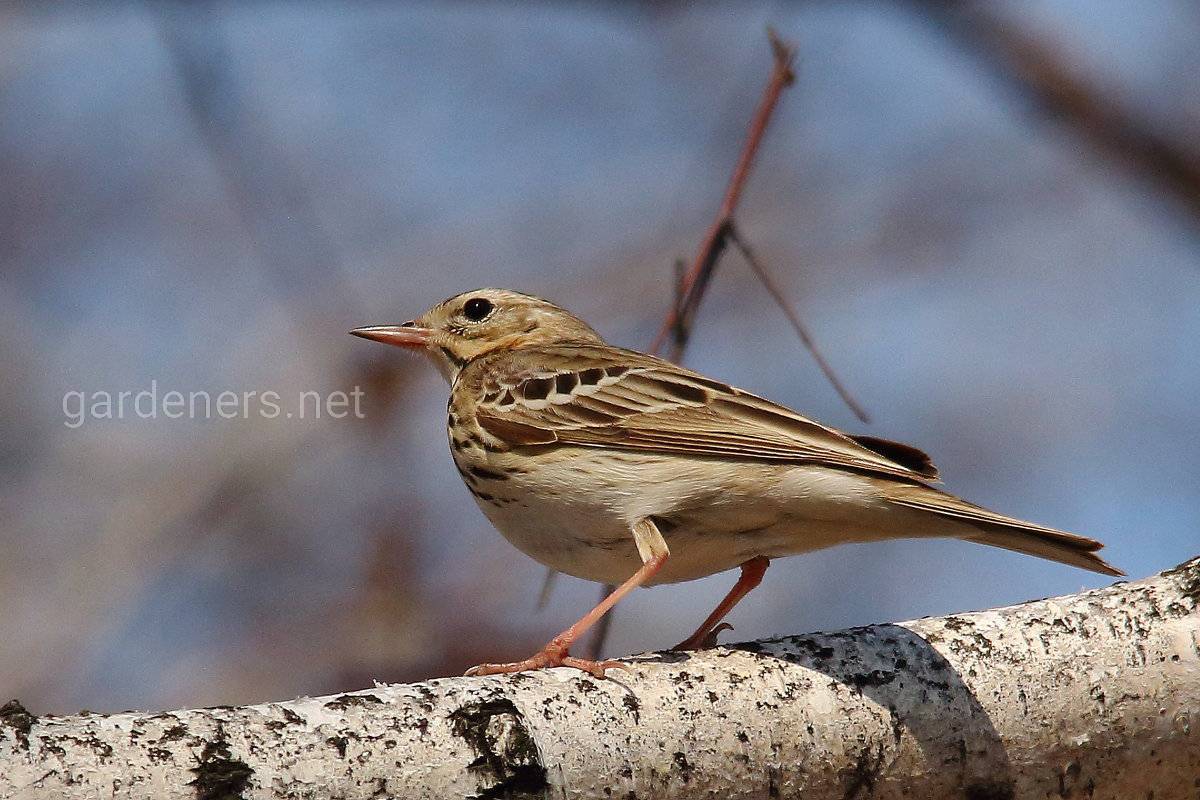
x=477 y=308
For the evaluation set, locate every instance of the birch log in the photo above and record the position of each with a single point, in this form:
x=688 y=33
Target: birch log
x=1092 y=695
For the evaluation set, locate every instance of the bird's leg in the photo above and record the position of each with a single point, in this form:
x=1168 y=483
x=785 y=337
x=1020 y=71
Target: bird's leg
x=653 y=550
x=706 y=635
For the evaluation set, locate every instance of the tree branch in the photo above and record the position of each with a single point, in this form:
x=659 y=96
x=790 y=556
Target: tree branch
x=1088 y=695
x=695 y=280
x=1033 y=65
x=735 y=236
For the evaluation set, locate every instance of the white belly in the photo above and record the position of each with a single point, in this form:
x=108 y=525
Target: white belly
x=575 y=513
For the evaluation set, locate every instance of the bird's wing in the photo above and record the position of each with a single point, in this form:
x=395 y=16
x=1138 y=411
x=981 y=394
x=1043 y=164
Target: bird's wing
x=596 y=396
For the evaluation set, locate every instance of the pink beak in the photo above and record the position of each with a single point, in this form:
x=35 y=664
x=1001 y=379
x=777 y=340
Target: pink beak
x=406 y=335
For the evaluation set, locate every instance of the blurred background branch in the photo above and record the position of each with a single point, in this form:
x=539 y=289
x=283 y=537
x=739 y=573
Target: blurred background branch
x=1040 y=68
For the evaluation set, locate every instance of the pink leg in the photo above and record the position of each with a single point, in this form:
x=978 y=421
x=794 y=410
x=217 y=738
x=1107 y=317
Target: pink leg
x=706 y=635
x=556 y=652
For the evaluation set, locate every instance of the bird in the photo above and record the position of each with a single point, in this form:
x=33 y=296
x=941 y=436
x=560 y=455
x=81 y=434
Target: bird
x=619 y=467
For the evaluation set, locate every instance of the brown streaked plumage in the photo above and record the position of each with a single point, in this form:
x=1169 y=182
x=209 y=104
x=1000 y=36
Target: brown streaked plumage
x=619 y=467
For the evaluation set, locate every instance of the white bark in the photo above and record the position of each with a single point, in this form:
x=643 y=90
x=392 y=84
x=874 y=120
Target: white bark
x=1091 y=695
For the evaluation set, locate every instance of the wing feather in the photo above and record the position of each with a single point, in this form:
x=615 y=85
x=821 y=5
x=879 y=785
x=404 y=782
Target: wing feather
x=593 y=396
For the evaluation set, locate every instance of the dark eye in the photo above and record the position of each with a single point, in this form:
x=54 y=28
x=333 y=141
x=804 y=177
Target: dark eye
x=477 y=308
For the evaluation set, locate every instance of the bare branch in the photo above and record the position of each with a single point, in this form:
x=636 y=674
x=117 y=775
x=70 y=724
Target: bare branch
x=797 y=324
x=691 y=286
x=696 y=279
x=1092 y=695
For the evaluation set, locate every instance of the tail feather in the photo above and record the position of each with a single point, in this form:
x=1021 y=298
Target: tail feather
x=998 y=530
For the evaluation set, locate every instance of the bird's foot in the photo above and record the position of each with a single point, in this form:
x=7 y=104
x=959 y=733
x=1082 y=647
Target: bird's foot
x=554 y=654
x=703 y=641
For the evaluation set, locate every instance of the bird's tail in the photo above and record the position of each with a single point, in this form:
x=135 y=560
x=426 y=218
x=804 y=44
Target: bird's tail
x=987 y=527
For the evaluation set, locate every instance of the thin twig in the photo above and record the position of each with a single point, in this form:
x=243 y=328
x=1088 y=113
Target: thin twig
x=691 y=287
x=681 y=331
x=794 y=318
x=696 y=279
x=548 y=582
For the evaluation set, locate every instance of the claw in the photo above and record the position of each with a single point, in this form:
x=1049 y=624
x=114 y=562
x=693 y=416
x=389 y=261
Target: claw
x=705 y=642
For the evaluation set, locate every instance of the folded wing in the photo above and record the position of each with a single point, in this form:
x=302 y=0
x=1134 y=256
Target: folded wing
x=598 y=397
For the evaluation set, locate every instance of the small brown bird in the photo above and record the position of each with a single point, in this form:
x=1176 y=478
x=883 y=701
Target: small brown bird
x=619 y=467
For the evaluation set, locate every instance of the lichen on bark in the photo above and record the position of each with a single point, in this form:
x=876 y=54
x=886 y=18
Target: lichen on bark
x=1092 y=695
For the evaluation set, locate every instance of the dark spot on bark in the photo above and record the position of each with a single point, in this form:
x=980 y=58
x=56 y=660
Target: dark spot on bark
x=507 y=764
x=631 y=703
x=1070 y=776
x=14 y=715
x=220 y=776
x=897 y=724
x=347 y=700
x=289 y=718
x=1187 y=578
x=173 y=733
x=772 y=781
x=49 y=745
x=158 y=755
x=339 y=742
x=876 y=677
x=989 y=791
x=685 y=769
x=860 y=779
x=814 y=650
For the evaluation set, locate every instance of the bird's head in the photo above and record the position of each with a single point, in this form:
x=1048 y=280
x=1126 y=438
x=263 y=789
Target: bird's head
x=471 y=324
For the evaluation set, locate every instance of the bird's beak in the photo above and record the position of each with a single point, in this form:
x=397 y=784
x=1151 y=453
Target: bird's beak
x=406 y=335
